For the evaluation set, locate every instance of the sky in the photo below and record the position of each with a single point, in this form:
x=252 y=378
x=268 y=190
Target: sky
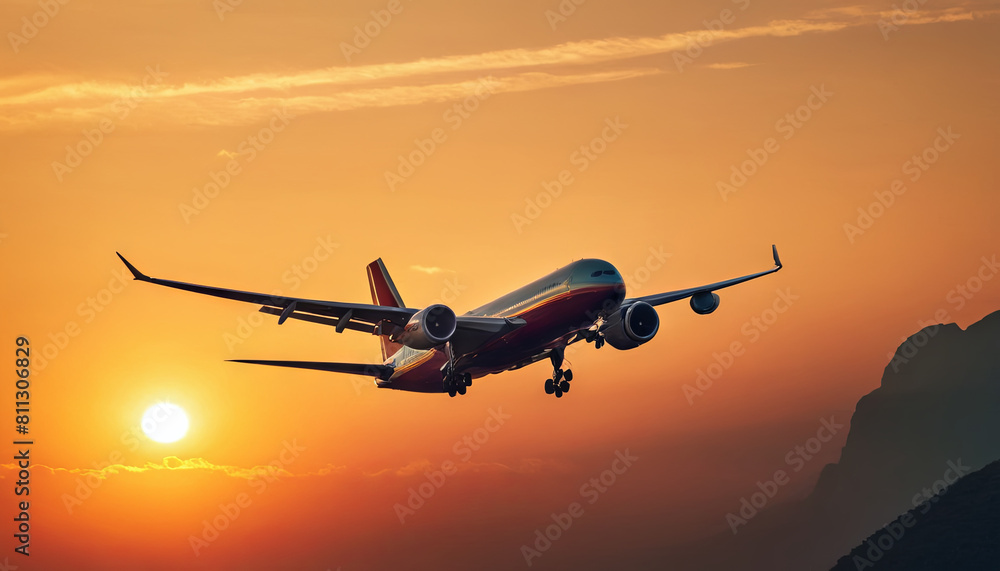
x=282 y=146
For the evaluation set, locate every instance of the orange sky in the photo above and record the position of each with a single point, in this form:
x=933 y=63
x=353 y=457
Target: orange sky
x=163 y=96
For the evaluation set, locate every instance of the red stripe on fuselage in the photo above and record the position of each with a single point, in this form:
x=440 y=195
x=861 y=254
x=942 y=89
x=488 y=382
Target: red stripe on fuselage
x=549 y=322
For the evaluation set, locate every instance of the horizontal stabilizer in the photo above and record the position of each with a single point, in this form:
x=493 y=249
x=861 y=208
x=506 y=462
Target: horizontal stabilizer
x=380 y=371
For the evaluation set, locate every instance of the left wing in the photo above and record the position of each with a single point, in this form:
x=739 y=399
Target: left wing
x=661 y=298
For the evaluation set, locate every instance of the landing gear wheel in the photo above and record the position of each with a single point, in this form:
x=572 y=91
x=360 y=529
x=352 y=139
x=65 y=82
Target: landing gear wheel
x=451 y=392
x=461 y=389
x=559 y=393
x=564 y=386
x=568 y=375
x=467 y=379
x=550 y=387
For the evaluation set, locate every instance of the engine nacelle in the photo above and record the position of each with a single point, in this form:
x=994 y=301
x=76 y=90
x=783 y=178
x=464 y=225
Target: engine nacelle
x=428 y=328
x=632 y=326
x=704 y=302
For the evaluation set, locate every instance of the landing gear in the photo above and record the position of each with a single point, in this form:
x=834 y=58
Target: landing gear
x=596 y=338
x=453 y=382
x=457 y=384
x=559 y=383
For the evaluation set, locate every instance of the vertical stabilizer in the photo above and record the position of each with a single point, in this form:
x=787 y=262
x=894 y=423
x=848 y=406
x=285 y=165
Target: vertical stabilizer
x=384 y=293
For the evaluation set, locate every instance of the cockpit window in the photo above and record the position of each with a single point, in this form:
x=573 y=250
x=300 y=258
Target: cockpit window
x=596 y=274
x=609 y=272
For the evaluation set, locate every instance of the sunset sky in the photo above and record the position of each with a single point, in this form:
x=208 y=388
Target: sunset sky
x=280 y=146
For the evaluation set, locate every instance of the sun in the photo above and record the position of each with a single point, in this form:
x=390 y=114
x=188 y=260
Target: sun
x=165 y=422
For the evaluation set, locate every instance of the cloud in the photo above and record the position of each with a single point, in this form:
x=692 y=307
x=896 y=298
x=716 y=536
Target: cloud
x=31 y=102
x=419 y=467
x=730 y=65
x=428 y=270
x=173 y=463
x=214 y=111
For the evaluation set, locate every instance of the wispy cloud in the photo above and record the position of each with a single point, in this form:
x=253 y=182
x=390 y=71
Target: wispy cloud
x=30 y=102
x=199 y=110
x=173 y=463
x=522 y=466
x=730 y=65
x=428 y=270
x=200 y=465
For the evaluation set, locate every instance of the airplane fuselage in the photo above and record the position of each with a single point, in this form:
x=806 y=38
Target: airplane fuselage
x=555 y=308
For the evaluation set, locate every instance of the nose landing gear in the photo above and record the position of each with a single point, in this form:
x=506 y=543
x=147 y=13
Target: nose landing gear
x=596 y=338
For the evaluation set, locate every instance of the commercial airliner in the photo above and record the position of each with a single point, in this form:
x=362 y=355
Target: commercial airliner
x=433 y=350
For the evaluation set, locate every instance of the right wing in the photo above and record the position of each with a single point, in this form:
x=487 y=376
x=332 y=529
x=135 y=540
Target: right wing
x=471 y=332
x=358 y=316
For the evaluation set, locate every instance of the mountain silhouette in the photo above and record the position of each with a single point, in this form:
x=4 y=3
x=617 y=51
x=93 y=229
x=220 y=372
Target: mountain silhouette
x=958 y=529
x=938 y=406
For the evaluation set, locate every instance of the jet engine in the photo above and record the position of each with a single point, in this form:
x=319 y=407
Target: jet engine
x=631 y=326
x=704 y=302
x=428 y=328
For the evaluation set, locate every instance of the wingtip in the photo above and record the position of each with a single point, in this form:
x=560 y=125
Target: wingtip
x=774 y=251
x=136 y=274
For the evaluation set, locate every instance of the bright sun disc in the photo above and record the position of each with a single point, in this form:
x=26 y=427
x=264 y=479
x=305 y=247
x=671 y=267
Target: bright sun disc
x=165 y=422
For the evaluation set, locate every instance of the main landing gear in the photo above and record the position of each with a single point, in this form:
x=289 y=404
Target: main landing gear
x=453 y=382
x=559 y=383
x=457 y=383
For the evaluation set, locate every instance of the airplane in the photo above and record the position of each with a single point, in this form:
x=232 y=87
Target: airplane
x=433 y=350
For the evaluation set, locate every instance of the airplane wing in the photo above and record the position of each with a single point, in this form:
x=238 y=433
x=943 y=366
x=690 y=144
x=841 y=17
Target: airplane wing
x=470 y=331
x=661 y=298
x=342 y=314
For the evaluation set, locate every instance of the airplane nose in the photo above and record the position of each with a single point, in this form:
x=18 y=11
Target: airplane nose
x=596 y=273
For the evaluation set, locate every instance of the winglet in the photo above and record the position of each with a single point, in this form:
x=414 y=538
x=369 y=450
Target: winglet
x=774 y=250
x=136 y=274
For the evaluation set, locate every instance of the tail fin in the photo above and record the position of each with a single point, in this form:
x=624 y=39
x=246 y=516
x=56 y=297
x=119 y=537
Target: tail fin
x=384 y=293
